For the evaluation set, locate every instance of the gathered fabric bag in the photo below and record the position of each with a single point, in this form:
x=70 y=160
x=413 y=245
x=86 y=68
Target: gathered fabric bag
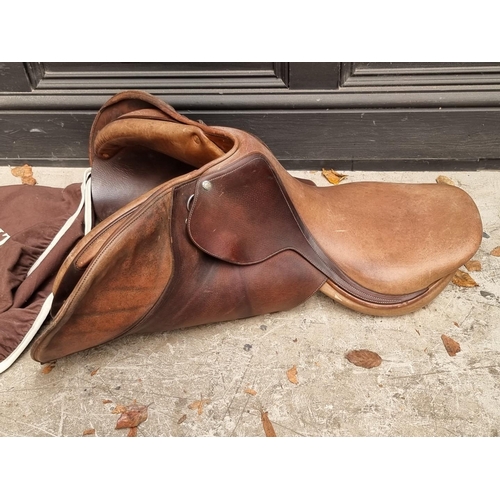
x=38 y=227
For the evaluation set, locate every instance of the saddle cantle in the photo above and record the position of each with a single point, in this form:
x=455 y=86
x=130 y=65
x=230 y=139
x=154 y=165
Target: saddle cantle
x=197 y=224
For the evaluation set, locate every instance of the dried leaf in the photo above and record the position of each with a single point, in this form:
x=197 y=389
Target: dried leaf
x=451 y=346
x=266 y=423
x=89 y=432
x=456 y=324
x=119 y=409
x=442 y=179
x=133 y=415
x=106 y=401
x=364 y=358
x=463 y=279
x=25 y=173
x=333 y=177
x=93 y=372
x=198 y=405
x=292 y=375
x=182 y=419
x=495 y=252
x=20 y=171
x=132 y=433
x=48 y=367
x=473 y=265
x=252 y=392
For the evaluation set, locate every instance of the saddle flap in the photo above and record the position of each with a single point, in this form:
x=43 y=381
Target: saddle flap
x=242 y=216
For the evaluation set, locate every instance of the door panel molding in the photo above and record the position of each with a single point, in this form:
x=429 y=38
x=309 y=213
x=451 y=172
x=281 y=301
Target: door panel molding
x=78 y=77
x=420 y=76
x=357 y=115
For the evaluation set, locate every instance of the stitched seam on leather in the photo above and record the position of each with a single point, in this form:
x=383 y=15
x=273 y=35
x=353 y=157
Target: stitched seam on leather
x=388 y=306
x=89 y=244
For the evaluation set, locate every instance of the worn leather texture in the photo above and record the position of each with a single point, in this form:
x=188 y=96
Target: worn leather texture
x=198 y=224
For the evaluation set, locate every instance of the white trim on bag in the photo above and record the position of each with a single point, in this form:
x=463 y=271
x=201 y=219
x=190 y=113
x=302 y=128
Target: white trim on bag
x=44 y=311
x=4 y=236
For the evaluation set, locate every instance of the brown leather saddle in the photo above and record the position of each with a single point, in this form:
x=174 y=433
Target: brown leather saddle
x=197 y=224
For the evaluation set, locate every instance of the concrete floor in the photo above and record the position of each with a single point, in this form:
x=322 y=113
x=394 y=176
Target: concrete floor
x=239 y=369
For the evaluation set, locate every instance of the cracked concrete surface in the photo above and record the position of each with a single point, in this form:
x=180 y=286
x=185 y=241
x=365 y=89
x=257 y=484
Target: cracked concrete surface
x=418 y=390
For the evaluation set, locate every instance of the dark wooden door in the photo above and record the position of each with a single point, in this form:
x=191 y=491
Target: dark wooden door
x=312 y=115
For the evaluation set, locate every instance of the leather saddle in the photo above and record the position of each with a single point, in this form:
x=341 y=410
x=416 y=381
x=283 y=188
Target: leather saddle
x=197 y=224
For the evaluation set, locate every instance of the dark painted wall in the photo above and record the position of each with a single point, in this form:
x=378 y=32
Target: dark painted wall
x=312 y=115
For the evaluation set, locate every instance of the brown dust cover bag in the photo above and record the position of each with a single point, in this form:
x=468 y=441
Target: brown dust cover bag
x=38 y=227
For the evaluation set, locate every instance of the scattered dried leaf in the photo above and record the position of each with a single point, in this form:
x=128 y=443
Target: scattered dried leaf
x=20 y=171
x=442 y=179
x=292 y=375
x=106 y=401
x=133 y=415
x=495 y=252
x=182 y=419
x=89 y=432
x=266 y=423
x=417 y=331
x=473 y=265
x=451 y=346
x=132 y=433
x=119 y=409
x=25 y=172
x=456 y=324
x=93 y=372
x=198 y=405
x=364 y=358
x=252 y=392
x=333 y=177
x=48 y=367
x=464 y=279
